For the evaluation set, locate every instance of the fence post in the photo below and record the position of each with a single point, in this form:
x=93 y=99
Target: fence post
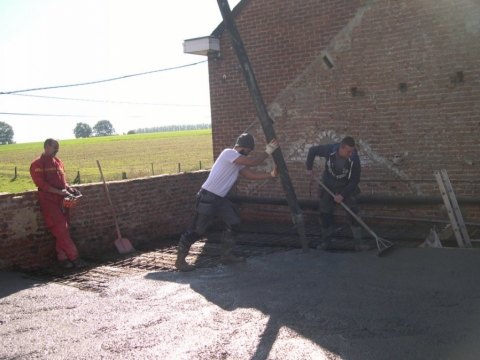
x=200 y=167
x=152 y=170
x=15 y=176
x=124 y=175
x=178 y=167
x=77 y=179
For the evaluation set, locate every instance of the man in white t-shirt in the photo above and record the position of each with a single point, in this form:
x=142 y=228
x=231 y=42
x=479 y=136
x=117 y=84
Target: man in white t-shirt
x=211 y=200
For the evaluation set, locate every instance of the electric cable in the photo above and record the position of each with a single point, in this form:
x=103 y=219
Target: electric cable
x=59 y=115
x=105 y=101
x=66 y=115
x=101 y=81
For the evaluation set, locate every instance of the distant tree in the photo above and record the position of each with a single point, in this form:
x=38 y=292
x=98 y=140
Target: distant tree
x=103 y=128
x=6 y=134
x=131 y=132
x=82 y=130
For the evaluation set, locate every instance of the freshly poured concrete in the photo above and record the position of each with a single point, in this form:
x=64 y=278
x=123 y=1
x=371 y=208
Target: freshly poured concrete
x=410 y=304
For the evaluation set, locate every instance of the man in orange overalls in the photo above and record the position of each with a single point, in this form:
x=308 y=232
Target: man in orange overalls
x=48 y=174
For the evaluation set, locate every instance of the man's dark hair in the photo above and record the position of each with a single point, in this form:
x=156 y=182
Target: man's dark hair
x=245 y=141
x=348 y=141
x=48 y=142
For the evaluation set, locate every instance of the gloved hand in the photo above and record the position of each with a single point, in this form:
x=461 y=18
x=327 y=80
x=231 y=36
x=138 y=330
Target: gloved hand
x=272 y=146
x=274 y=173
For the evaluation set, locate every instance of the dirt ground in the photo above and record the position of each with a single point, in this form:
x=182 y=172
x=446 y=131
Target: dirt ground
x=410 y=304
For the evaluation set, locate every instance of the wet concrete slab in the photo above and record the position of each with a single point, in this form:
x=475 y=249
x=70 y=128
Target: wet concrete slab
x=410 y=304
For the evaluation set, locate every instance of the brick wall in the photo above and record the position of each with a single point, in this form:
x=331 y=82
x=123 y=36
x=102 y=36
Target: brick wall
x=402 y=78
x=146 y=209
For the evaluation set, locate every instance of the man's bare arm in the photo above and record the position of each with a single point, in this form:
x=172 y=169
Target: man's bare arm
x=249 y=174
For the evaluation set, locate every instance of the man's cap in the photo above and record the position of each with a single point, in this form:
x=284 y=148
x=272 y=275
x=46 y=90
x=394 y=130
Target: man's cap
x=246 y=141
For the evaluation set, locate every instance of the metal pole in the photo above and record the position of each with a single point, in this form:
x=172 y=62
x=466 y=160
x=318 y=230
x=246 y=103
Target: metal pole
x=265 y=120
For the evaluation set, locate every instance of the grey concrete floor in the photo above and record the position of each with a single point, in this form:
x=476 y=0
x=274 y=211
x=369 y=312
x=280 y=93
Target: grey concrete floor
x=410 y=304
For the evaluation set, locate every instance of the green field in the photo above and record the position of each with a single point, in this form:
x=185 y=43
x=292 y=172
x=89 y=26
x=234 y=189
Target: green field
x=132 y=156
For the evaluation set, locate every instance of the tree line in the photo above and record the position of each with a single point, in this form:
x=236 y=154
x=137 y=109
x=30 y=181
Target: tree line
x=105 y=128
x=102 y=128
x=167 y=128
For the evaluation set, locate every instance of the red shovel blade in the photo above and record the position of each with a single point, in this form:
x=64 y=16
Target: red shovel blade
x=124 y=246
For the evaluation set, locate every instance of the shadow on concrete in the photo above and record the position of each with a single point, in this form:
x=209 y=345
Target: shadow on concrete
x=411 y=304
x=13 y=282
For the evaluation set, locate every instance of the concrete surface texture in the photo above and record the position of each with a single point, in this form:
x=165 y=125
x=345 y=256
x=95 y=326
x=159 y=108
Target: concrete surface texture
x=410 y=304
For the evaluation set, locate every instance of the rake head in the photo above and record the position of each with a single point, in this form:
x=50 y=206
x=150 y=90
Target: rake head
x=383 y=245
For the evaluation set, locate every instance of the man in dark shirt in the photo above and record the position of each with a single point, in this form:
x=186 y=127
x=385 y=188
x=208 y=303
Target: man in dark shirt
x=48 y=174
x=341 y=176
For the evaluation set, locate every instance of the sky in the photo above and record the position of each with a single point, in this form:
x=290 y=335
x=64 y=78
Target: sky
x=46 y=43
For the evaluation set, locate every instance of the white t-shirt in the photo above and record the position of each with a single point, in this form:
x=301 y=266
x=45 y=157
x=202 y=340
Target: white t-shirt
x=224 y=173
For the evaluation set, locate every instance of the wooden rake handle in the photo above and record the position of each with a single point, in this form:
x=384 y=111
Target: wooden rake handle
x=348 y=209
x=109 y=200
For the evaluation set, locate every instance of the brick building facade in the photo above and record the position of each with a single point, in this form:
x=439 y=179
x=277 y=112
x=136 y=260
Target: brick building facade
x=400 y=76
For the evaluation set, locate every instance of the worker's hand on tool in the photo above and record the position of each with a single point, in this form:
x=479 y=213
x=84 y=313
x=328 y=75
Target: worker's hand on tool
x=338 y=198
x=274 y=173
x=309 y=173
x=71 y=191
x=272 y=146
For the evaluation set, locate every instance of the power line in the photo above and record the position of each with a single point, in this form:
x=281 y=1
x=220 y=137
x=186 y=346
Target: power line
x=65 y=115
x=59 y=115
x=105 y=101
x=101 y=81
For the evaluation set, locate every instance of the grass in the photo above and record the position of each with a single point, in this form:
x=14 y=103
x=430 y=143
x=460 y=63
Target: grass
x=132 y=156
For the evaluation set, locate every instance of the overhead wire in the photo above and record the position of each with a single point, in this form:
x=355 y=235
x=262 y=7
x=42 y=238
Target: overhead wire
x=105 y=101
x=66 y=115
x=100 y=81
x=59 y=115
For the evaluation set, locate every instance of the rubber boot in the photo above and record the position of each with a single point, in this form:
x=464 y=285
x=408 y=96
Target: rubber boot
x=357 y=238
x=228 y=243
x=326 y=238
x=180 y=263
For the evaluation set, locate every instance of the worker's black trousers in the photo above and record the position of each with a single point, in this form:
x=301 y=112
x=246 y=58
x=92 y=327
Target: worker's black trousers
x=327 y=204
x=208 y=207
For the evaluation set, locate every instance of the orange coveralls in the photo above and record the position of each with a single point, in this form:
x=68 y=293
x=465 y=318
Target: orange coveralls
x=48 y=171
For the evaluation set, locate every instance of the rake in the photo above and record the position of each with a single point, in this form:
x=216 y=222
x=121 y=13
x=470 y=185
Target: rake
x=382 y=244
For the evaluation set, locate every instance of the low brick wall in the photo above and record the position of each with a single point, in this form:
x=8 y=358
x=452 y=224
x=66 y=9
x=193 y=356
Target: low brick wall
x=146 y=208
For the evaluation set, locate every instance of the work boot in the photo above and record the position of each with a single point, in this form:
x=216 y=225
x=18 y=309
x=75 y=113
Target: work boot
x=326 y=238
x=228 y=243
x=180 y=263
x=66 y=264
x=79 y=263
x=357 y=238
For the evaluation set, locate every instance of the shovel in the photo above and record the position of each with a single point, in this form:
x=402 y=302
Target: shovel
x=382 y=244
x=123 y=245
